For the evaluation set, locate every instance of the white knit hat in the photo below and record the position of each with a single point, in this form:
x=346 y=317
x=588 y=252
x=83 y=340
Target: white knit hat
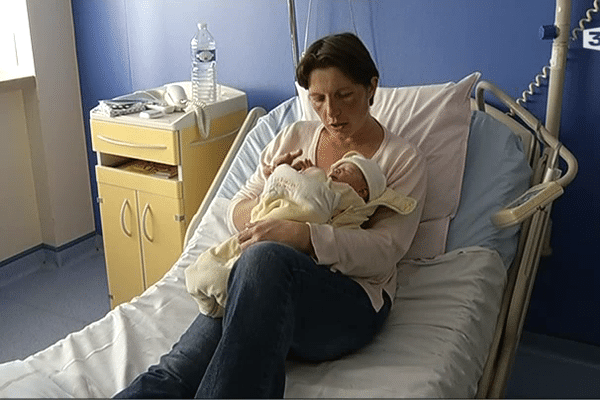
x=370 y=169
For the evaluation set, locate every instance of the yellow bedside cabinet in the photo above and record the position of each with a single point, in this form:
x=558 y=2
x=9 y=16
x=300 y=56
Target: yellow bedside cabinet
x=152 y=176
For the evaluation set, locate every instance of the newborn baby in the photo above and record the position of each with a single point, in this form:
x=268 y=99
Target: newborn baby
x=305 y=193
x=345 y=197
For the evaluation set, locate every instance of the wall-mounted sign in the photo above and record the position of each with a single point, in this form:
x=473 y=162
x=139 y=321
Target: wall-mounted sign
x=591 y=39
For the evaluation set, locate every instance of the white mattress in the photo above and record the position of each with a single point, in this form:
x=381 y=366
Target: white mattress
x=433 y=344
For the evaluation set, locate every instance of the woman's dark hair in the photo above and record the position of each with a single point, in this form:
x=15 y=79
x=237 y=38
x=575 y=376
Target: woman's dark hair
x=344 y=51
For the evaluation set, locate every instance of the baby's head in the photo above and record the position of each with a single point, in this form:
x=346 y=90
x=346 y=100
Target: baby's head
x=362 y=174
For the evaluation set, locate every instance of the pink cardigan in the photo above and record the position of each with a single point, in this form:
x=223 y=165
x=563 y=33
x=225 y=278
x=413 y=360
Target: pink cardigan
x=352 y=251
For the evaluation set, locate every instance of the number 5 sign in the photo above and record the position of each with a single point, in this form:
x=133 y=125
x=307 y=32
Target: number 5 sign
x=591 y=39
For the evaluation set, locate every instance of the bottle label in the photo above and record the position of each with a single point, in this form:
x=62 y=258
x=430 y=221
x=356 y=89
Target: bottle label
x=206 y=55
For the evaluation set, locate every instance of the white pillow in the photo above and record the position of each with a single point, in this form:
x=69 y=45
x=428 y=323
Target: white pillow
x=436 y=119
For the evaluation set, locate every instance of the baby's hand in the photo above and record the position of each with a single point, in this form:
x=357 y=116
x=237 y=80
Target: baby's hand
x=268 y=170
x=287 y=158
x=301 y=165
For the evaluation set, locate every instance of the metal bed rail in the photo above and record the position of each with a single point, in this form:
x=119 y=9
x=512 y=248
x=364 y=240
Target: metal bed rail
x=554 y=147
x=522 y=275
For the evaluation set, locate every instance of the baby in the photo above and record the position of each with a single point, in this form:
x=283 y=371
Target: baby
x=301 y=192
x=345 y=197
x=345 y=171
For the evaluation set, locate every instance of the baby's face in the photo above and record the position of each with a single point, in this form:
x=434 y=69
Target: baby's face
x=349 y=173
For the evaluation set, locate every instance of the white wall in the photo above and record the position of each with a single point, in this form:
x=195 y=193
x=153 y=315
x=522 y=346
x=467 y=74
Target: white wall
x=62 y=141
x=41 y=123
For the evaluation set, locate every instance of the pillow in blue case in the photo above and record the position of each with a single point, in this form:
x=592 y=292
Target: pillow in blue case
x=496 y=173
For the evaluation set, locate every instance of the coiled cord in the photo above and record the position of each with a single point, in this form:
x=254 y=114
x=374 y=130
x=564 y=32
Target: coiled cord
x=537 y=82
x=586 y=20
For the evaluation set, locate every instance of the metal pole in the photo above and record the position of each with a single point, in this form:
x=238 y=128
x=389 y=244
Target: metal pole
x=293 y=31
x=558 y=63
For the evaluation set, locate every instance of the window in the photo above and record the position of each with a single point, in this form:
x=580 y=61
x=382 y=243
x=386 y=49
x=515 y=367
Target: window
x=8 y=44
x=15 y=41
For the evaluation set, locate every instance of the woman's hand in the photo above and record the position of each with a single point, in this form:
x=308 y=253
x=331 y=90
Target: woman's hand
x=294 y=234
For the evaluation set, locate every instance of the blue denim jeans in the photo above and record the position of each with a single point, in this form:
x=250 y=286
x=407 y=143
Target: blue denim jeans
x=280 y=304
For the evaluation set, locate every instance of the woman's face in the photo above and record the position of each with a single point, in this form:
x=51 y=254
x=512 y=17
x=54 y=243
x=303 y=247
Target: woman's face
x=342 y=105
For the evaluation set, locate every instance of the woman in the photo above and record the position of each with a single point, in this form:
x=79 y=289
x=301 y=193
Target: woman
x=308 y=291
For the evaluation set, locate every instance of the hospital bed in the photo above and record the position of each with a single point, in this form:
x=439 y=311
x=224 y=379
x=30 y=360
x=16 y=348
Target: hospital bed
x=457 y=316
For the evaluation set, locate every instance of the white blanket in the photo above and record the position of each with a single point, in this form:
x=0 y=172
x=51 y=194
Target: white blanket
x=434 y=343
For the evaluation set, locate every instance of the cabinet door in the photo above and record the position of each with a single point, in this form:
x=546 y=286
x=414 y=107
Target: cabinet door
x=121 y=237
x=163 y=228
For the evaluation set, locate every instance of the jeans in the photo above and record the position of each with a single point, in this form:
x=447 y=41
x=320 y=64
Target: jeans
x=280 y=304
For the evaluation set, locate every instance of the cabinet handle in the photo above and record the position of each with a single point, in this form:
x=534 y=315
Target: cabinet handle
x=123 y=227
x=144 y=220
x=129 y=144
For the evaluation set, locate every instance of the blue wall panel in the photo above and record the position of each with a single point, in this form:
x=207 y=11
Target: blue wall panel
x=126 y=45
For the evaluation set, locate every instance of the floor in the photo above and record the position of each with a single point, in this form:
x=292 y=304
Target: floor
x=42 y=302
x=51 y=301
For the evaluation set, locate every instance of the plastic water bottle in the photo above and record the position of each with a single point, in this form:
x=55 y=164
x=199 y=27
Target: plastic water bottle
x=204 y=66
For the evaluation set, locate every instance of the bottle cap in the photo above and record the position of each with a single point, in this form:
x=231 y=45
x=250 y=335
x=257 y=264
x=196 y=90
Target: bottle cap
x=202 y=25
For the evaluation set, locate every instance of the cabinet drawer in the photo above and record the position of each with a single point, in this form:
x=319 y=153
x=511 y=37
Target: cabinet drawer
x=136 y=142
x=115 y=176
